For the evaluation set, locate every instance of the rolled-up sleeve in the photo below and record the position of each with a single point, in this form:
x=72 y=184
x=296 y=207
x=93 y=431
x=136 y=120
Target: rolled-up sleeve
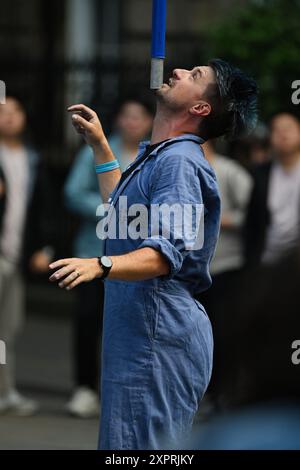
x=166 y=248
x=175 y=196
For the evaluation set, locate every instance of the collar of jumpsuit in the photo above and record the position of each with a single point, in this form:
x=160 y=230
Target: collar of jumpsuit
x=146 y=147
x=144 y=144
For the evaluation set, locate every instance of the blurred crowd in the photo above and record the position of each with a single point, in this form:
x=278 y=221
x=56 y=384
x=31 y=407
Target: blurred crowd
x=253 y=302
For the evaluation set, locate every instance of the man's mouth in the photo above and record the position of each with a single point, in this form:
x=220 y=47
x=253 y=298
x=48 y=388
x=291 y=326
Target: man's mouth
x=171 y=82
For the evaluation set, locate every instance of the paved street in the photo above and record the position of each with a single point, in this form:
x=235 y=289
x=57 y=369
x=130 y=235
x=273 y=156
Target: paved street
x=44 y=373
x=47 y=431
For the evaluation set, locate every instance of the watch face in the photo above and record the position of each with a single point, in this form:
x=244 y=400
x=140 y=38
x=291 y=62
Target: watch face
x=106 y=262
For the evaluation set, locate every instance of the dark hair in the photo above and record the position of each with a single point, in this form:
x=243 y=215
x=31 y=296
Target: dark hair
x=25 y=134
x=234 y=103
x=18 y=99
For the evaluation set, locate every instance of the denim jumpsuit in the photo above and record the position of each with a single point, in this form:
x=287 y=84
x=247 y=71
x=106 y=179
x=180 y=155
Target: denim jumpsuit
x=157 y=339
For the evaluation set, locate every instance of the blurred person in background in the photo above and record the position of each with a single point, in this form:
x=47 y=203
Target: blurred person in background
x=22 y=233
x=253 y=150
x=273 y=215
x=235 y=185
x=262 y=354
x=133 y=123
x=259 y=147
x=259 y=152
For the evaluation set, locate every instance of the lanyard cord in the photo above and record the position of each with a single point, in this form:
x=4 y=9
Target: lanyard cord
x=145 y=155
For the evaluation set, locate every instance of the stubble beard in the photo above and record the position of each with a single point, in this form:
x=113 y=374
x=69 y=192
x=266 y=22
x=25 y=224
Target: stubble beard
x=166 y=102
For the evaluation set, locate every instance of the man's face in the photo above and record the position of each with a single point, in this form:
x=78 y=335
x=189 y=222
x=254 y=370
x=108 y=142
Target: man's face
x=285 y=134
x=12 y=118
x=186 y=88
x=134 y=121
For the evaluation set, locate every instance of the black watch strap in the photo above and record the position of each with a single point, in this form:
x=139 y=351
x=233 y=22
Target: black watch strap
x=106 y=264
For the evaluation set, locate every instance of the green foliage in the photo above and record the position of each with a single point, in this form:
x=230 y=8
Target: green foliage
x=263 y=39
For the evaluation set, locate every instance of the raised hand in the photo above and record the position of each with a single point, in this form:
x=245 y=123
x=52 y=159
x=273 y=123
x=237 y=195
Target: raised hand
x=87 y=123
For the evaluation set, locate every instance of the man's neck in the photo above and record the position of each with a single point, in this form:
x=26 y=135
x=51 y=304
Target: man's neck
x=290 y=160
x=11 y=142
x=167 y=125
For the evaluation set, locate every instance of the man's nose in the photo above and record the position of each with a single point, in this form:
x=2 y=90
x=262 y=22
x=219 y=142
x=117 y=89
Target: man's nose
x=178 y=73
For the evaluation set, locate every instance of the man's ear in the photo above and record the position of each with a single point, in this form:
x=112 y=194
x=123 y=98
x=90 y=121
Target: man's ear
x=201 y=109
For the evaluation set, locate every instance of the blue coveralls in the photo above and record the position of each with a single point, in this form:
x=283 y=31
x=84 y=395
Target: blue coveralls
x=157 y=339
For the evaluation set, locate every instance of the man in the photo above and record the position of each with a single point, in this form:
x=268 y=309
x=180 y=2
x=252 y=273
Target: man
x=273 y=215
x=157 y=339
x=24 y=239
x=235 y=186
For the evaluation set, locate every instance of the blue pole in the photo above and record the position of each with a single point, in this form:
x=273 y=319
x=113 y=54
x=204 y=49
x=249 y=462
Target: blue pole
x=159 y=16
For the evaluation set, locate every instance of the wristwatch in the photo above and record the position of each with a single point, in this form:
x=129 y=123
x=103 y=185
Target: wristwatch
x=106 y=264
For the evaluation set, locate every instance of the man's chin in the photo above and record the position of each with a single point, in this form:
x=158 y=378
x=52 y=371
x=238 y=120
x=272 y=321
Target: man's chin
x=165 y=87
x=162 y=89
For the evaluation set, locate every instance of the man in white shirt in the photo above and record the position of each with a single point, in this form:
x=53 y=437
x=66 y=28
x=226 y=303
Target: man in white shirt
x=18 y=165
x=274 y=210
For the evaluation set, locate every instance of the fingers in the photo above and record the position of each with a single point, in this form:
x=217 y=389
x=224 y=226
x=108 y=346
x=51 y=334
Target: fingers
x=79 y=121
x=62 y=273
x=69 y=280
x=60 y=263
x=69 y=268
x=78 y=128
x=85 y=111
x=80 y=107
x=75 y=283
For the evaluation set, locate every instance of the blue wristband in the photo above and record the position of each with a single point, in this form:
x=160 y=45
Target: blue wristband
x=105 y=167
